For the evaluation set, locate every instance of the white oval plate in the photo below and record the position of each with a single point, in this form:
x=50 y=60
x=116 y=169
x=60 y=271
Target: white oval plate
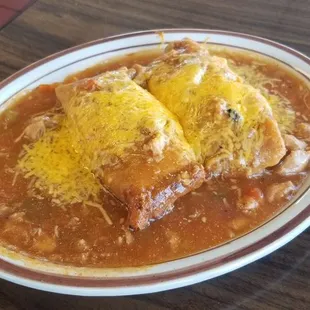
x=127 y=281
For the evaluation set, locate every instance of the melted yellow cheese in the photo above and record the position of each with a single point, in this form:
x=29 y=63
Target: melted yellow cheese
x=104 y=126
x=119 y=118
x=281 y=106
x=224 y=119
x=58 y=166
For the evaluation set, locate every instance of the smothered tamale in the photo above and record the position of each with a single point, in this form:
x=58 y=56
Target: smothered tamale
x=132 y=143
x=228 y=123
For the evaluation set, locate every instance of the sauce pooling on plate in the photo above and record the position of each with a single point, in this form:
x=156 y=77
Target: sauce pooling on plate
x=46 y=213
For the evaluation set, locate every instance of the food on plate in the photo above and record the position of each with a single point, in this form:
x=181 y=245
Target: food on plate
x=152 y=156
x=228 y=122
x=132 y=144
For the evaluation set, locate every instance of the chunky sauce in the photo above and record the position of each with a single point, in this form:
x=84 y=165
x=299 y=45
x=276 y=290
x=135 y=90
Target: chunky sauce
x=79 y=235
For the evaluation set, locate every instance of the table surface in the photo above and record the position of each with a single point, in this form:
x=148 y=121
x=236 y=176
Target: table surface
x=278 y=281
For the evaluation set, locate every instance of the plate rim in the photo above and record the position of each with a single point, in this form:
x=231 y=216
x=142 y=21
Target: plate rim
x=192 y=274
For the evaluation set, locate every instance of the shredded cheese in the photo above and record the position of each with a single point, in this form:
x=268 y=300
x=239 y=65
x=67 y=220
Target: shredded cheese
x=101 y=209
x=281 y=106
x=58 y=166
x=104 y=125
x=119 y=119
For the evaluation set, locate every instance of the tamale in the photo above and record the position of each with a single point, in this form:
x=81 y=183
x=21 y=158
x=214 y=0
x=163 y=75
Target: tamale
x=228 y=123
x=132 y=143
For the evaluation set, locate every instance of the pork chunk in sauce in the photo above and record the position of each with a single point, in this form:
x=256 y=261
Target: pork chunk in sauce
x=38 y=126
x=294 y=144
x=294 y=163
x=303 y=131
